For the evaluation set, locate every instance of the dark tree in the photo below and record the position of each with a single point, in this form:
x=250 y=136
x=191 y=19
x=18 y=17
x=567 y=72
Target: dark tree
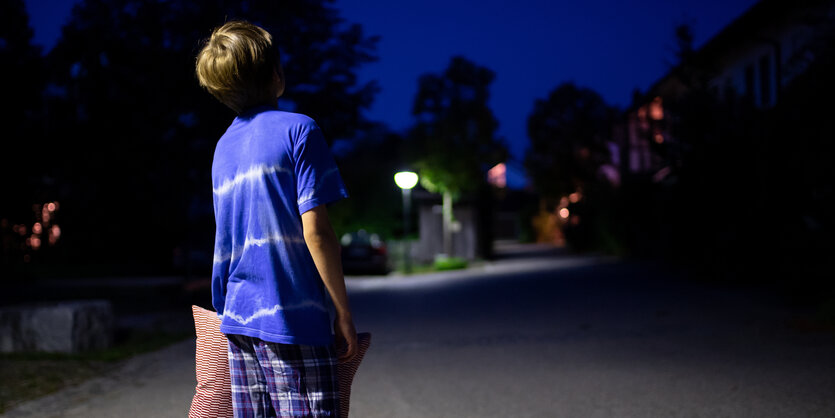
x=22 y=155
x=455 y=133
x=568 y=133
x=367 y=170
x=23 y=179
x=133 y=133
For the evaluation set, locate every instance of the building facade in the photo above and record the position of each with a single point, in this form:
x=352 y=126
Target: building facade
x=751 y=59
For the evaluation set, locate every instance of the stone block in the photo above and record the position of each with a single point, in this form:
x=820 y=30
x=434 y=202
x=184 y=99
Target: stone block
x=61 y=327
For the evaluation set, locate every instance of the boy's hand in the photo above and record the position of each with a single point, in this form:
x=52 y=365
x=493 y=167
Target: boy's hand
x=346 y=338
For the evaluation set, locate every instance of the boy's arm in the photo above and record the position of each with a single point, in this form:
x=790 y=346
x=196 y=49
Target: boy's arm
x=325 y=249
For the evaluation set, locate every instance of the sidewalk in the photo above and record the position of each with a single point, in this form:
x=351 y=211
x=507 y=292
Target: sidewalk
x=510 y=257
x=161 y=377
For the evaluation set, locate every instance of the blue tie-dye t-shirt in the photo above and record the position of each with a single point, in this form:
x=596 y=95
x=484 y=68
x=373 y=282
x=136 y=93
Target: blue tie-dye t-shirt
x=269 y=168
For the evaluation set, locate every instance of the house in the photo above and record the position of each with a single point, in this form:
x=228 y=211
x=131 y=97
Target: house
x=494 y=212
x=752 y=58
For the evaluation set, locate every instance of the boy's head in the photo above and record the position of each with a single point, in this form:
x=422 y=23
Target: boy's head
x=240 y=66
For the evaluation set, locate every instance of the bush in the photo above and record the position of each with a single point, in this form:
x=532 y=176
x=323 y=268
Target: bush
x=450 y=263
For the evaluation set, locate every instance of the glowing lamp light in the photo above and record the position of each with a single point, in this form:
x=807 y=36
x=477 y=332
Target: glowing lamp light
x=406 y=179
x=564 y=213
x=659 y=138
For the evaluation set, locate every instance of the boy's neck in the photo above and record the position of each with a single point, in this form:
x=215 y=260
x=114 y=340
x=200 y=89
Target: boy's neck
x=258 y=109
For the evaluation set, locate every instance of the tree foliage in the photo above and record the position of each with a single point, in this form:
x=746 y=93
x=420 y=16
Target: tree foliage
x=454 y=137
x=367 y=170
x=567 y=131
x=21 y=71
x=131 y=135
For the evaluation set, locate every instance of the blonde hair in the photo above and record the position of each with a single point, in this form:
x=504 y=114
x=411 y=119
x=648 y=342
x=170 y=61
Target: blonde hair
x=237 y=65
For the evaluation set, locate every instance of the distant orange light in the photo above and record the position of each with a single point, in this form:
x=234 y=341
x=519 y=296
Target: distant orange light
x=656 y=109
x=642 y=113
x=564 y=213
x=563 y=202
x=46 y=217
x=37 y=228
x=36 y=242
x=21 y=229
x=497 y=175
x=574 y=197
x=51 y=207
x=55 y=231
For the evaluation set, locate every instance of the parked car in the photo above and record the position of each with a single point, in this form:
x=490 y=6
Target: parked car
x=364 y=253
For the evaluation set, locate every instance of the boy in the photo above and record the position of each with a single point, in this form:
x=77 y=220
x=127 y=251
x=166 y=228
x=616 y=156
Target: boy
x=275 y=249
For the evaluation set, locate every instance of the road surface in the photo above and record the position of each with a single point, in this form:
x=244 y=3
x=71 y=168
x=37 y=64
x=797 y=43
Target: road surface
x=537 y=335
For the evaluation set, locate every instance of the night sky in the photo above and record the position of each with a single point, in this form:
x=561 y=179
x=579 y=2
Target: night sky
x=608 y=45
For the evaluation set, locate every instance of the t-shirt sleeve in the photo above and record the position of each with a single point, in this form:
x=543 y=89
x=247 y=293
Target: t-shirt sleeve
x=317 y=178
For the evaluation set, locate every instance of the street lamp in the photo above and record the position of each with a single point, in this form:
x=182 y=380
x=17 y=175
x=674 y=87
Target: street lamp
x=406 y=180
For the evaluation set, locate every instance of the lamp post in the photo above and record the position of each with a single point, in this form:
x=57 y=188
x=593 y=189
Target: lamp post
x=406 y=180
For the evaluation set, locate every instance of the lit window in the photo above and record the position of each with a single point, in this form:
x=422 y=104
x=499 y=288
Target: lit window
x=656 y=109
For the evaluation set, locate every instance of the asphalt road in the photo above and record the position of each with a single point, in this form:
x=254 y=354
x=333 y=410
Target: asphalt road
x=537 y=335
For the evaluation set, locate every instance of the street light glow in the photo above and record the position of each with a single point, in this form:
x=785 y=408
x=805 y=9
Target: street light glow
x=406 y=179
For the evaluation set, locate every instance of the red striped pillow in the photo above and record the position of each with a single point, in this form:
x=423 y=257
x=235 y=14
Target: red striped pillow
x=345 y=373
x=213 y=397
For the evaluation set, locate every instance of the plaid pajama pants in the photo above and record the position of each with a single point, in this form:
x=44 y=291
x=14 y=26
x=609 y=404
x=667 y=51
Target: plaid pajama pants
x=282 y=380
